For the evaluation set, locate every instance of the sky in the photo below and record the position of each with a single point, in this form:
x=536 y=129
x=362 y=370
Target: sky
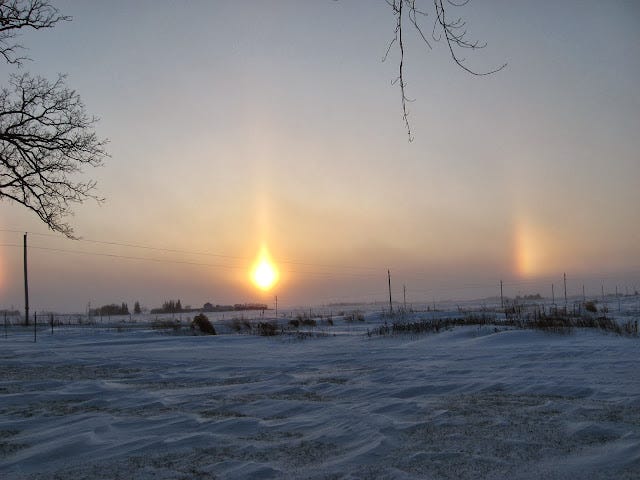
x=239 y=126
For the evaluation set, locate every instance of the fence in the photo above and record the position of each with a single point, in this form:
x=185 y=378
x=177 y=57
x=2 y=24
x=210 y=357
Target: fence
x=620 y=308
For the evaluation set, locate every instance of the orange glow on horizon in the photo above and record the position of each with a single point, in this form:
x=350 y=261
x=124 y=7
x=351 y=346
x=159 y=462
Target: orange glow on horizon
x=264 y=273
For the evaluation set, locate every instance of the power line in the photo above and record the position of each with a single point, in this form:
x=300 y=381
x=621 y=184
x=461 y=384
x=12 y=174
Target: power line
x=512 y=283
x=442 y=288
x=534 y=281
x=431 y=291
x=189 y=252
x=183 y=262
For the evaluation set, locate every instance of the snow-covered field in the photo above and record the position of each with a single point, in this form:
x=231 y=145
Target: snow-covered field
x=470 y=402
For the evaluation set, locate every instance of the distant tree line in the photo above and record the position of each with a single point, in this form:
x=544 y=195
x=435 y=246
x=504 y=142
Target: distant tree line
x=172 y=306
x=115 y=309
x=175 y=306
x=208 y=307
x=111 y=309
x=535 y=296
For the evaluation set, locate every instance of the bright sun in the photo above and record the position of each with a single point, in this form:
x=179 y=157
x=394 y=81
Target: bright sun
x=264 y=273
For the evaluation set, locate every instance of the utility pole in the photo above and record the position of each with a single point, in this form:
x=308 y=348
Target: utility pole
x=276 y=307
x=619 y=305
x=553 y=296
x=26 y=283
x=584 y=298
x=390 y=304
x=565 y=291
x=404 y=294
x=501 y=297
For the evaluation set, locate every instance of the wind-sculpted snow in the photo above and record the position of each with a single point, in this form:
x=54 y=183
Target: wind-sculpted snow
x=466 y=403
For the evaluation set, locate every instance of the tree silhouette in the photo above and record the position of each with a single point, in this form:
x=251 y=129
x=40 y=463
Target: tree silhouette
x=450 y=29
x=46 y=137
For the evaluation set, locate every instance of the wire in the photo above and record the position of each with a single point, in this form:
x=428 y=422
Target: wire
x=182 y=262
x=190 y=252
x=433 y=290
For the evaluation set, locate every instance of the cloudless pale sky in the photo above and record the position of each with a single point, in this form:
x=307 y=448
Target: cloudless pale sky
x=234 y=125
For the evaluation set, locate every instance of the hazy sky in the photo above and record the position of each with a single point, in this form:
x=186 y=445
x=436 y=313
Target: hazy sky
x=234 y=125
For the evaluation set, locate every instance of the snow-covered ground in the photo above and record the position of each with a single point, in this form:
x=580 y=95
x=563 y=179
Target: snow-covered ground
x=470 y=402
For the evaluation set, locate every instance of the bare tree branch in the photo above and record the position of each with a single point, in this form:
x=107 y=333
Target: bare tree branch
x=397 y=39
x=455 y=35
x=453 y=32
x=46 y=138
x=23 y=14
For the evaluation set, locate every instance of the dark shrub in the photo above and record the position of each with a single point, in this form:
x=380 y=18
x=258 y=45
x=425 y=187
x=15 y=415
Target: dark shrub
x=202 y=323
x=354 y=316
x=239 y=324
x=267 y=329
x=590 y=307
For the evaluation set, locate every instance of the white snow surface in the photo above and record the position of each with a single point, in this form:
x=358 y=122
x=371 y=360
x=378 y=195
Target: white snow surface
x=470 y=402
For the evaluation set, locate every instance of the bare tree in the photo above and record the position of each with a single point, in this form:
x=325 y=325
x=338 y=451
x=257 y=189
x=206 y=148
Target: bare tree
x=20 y=14
x=46 y=137
x=451 y=30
